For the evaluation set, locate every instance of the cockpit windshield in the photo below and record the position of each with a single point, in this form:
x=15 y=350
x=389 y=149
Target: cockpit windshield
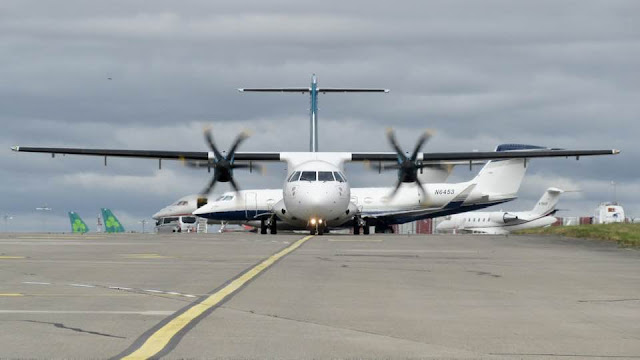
x=294 y=176
x=308 y=176
x=325 y=176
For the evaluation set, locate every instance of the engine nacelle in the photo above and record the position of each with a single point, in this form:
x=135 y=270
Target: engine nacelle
x=509 y=217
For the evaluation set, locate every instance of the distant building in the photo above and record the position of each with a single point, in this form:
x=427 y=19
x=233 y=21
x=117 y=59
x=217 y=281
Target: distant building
x=607 y=213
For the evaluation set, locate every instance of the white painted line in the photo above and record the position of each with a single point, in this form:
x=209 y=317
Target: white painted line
x=36 y=283
x=148 y=312
x=153 y=291
x=190 y=296
x=173 y=293
x=82 y=285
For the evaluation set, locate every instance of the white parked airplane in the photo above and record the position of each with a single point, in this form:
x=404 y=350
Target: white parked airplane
x=503 y=222
x=316 y=193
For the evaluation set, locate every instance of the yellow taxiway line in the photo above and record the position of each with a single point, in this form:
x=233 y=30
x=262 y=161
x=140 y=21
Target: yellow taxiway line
x=158 y=340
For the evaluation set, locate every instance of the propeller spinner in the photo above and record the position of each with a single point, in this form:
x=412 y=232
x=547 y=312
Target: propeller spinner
x=222 y=164
x=407 y=166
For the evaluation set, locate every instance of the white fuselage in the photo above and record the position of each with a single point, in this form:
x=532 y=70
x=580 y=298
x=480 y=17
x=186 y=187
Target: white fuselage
x=496 y=222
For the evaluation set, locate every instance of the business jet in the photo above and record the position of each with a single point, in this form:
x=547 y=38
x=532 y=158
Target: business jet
x=316 y=193
x=502 y=222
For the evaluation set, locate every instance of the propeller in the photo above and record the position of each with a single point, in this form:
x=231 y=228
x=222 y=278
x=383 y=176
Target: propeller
x=407 y=166
x=222 y=164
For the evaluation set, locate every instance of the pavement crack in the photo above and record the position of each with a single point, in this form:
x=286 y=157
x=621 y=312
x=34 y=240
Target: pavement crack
x=484 y=273
x=606 y=300
x=63 y=326
x=253 y=312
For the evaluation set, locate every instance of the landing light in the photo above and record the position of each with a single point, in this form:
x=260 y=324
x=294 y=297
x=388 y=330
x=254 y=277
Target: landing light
x=320 y=221
x=313 y=221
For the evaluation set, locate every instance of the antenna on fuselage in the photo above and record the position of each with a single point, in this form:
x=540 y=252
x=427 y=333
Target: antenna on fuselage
x=313 y=91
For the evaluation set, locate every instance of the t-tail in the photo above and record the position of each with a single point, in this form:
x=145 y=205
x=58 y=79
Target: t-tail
x=111 y=222
x=547 y=203
x=313 y=91
x=77 y=225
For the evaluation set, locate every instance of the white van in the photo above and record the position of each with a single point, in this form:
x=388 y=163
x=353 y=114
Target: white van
x=176 y=224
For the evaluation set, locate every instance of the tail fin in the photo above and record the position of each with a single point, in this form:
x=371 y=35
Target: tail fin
x=500 y=179
x=547 y=203
x=77 y=225
x=111 y=223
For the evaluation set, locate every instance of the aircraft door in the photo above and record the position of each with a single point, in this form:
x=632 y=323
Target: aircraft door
x=250 y=205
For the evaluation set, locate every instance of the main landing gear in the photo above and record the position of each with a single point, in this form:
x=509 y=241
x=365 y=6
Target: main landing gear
x=365 y=224
x=271 y=224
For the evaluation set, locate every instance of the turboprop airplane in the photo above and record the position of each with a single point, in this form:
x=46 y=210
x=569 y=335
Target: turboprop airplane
x=503 y=222
x=317 y=195
x=497 y=182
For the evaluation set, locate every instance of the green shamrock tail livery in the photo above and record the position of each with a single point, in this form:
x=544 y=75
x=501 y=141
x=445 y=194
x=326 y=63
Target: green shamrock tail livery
x=111 y=223
x=77 y=225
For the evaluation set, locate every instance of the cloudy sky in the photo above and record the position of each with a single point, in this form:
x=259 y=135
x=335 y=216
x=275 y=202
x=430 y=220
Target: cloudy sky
x=553 y=73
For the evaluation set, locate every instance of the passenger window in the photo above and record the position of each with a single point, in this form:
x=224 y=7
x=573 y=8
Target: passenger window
x=308 y=176
x=188 y=219
x=338 y=177
x=325 y=176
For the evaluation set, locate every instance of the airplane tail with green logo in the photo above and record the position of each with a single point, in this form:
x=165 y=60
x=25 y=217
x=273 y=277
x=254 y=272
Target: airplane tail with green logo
x=77 y=225
x=111 y=223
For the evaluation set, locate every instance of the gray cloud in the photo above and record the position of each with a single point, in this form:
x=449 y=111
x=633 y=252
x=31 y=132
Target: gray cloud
x=560 y=74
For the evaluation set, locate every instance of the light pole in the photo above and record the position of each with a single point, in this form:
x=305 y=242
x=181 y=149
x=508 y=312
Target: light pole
x=143 y=222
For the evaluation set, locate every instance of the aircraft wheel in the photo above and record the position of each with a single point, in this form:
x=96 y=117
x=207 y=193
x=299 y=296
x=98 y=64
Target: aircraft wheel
x=320 y=230
x=312 y=232
x=366 y=228
x=263 y=227
x=356 y=228
x=274 y=227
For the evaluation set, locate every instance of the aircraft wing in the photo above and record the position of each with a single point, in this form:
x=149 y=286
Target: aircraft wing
x=484 y=155
x=149 y=154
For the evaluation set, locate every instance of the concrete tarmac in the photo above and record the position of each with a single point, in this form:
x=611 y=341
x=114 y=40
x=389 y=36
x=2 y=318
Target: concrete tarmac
x=335 y=296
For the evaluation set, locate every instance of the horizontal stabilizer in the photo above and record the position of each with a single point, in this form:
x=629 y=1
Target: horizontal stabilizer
x=300 y=90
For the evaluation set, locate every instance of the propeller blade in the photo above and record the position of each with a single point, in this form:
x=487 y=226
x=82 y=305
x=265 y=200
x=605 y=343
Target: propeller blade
x=423 y=139
x=394 y=143
x=395 y=190
x=234 y=185
x=239 y=139
x=212 y=146
x=210 y=187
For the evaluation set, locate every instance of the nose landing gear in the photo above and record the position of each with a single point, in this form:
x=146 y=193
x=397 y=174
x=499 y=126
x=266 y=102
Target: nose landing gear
x=318 y=227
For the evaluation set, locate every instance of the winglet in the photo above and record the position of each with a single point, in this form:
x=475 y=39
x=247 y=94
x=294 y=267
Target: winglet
x=15 y=148
x=615 y=151
x=241 y=90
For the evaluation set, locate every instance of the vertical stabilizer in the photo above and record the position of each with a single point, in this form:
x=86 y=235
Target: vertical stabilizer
x=500 y=178
x=547 y=203
x=77 y=225
x=111 y=222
